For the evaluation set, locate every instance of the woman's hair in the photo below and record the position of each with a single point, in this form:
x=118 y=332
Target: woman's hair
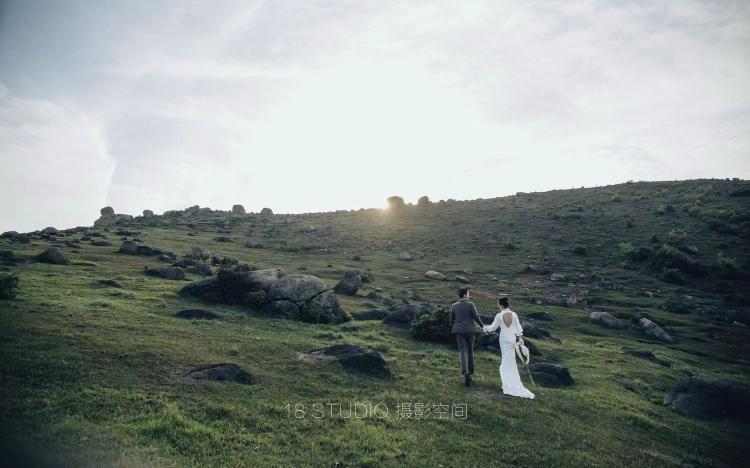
x=462 y=292
x=503 y=301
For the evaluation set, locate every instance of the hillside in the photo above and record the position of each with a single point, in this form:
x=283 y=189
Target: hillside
x=95 y=366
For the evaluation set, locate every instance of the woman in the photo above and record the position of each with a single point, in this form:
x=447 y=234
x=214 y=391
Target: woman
x=510 y=329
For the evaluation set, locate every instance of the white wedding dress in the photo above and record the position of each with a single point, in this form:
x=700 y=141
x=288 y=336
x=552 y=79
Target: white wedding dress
x=509 y=377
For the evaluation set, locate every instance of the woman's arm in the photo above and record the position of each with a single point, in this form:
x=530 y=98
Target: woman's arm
x=493 y=326
x=517 y=325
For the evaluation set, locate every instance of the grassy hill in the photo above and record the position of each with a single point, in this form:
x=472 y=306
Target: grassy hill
x=92 y=374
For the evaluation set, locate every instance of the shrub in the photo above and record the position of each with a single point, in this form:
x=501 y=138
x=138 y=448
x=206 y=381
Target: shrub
x=669 y=257
x=433 y=326
x=676 y=238
x=679 y=305
x=728 y=267
x=721 y=227
x=8 y=285
x=625 y=249
x=580 y=250
x=672 y=276
x=634 y=254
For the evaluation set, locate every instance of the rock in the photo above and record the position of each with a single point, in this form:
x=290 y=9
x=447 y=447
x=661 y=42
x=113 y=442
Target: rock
x=101 y=243
x=395 y=202
x=221 y=372
x=170 y=273
x=405 y=257
x=306 y=298
x=194 y=266
x=49 y=230
x=350 y=284
x=197 y=314
x=544 y=316
x=224 y=261
x=557 y=277
x=53 y=256
x=548 y=374
x=148 y=214
x=606 y=320
x=423 y=201
x=131 y=247
x=109 y=282
x=534 y=331
x=107 y=211
x=238 y=209
x=710 y=399
x=266 y=211
x=680 y=305
x=435 y=275
x=267 y=277
x=296 y=288
x=376 y=314
x=15 y=237
x=112 y=220
x=223 y=239
x=462 y=279
x=253 y=244
x=228 y=287
x=355 y=358
x=405 y=314
x=655 y=331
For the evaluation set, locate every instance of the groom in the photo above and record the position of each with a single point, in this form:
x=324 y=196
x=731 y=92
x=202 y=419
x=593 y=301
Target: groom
x=463 y=316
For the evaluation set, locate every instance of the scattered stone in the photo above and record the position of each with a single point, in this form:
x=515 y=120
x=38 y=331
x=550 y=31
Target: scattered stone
x=557 y=277
x=405 y=314
x=355 y=358
x=197 y=314
x=534 y=331
x=548 y=374
x=266 y=211
x=606 y=320
x=194 y=266
x=170 y=273
x=49 y=230
x=405 y=257
x=543 y=316
x=710 y=399
x=53 y=256
x=253 y=244
x=423 y=201
x=131 y=247
x=238 y=209
x=431 y=274
x=655 y=331
x=221 y=372
x=101 y=243
x=350 y=284
x=462 y=279
x=107 y=220
x=376 y=314
x=224 y=261
x=223 y=239
x=107 y=211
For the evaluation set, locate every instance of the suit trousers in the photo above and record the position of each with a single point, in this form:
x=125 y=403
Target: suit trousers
x=466 y=349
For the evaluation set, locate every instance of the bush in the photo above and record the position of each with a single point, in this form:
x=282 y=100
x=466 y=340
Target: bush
x=672 y=276
x=433 y=326
x=721 y=227
x=625 y=249
x=676 y=238
x=580 y=250
x=8 y=285
x=669 y=257
x=634 y=254
x=728 y=267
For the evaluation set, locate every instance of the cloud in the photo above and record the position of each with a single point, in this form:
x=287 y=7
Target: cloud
x=55 y=165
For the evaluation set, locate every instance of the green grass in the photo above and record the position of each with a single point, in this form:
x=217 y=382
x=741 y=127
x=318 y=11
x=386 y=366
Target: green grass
x=95 y=375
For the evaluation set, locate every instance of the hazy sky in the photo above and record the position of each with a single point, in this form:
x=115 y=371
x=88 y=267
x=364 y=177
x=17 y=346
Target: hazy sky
x=323 y=105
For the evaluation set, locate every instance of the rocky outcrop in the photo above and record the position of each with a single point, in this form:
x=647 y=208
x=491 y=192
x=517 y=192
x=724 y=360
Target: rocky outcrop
x=548 y=374
x=113 y=220
x=350 y=284
x=405 y=314
x=238 y=209
x=424 y=201
x=131 y=247
x=655 y=331
x=107 y=211
x=170 y=273
x=266 y=211
x=355 y=358
x=53 y=256
x=606 y=320
x=148 y=214
x=710 y=399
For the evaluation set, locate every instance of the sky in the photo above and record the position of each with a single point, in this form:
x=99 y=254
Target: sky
x=308 y=106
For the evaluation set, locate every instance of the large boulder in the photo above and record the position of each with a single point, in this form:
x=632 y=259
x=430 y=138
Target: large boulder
x=15 y=237
x=375 y=314
x=548 y=374
x=238 y=209
x=462 y=279
x=431 y=274
x=306 y=298
x=221 y=372
x=533 y=330
x=107 y=211
x=266 y=211
x=405 y=257
x=112 y=220
x=194 y=266
x=544 y=316
x=148 y=214
x=49 y=230
x=355 y=358
x=710 y=399
x=395 y=202
x=131 y=247
x=423 y=201
x=228 y=287
x=655 y=331
x=350 y=284
x=53 y=256
x=170 y=273
x=606 y=320
x=405 y=314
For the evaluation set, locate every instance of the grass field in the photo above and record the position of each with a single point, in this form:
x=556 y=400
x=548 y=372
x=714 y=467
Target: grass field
x=95 y=375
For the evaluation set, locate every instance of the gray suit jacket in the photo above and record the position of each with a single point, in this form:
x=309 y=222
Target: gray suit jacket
x=463 y=317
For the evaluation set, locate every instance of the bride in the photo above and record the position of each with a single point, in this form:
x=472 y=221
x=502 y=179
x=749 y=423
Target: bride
x=510 y=329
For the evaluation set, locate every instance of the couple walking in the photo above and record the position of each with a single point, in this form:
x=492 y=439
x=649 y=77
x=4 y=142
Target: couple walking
x=463 y=316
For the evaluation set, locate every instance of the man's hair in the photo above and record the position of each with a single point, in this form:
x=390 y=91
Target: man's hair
x=462 y=292
x=503 y=301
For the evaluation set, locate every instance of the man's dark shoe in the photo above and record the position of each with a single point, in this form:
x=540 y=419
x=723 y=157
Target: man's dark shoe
x=467 y=380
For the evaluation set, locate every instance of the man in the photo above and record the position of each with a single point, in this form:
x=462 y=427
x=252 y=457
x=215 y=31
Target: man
x=463 y=316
